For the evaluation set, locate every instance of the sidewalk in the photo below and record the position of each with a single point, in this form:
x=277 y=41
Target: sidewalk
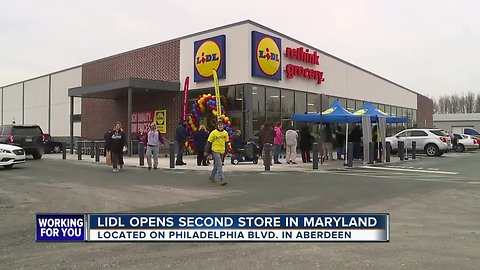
x=164 y=163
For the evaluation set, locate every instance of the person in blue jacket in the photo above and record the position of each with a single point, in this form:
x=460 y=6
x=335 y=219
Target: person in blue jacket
x=200 y=140
x=181 y=136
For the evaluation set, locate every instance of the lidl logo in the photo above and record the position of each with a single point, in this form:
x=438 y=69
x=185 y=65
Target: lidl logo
x=360 y=112
x=209 y=54
x=329 y=111
x=266 y=56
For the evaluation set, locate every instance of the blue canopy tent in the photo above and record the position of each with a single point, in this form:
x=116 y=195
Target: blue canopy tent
x=369 y=110
x=335 y=114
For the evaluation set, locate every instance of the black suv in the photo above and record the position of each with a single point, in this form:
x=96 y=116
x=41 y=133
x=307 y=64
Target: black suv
x=29 y=137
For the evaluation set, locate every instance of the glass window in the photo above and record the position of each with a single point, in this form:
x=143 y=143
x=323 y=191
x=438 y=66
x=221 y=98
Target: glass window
x=313 y=103
x=418 y=133
x=381 y=107
x=272 y=118
x=358 y=104
x=272 y=99
x=343 y=102
x=258 y=119
x=287 y=102
x=439 y=132
x=414 y=118
x=350 y=105
x=258 y=99
x=402 y=134
x=300 y=102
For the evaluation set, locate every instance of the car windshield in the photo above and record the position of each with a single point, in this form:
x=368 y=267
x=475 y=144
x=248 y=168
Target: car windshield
x=27 y=131
x=439 y=132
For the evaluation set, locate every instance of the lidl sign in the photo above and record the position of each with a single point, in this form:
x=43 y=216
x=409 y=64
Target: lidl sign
x=209 y=54
x=266 y=56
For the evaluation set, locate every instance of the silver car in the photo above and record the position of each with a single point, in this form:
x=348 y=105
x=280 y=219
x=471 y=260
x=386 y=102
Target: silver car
x=433 y=142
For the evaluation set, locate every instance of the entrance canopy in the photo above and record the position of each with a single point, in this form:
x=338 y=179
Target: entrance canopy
x=119 y=88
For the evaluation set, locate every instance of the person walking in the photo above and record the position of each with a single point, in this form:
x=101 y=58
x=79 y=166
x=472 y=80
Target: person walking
x=267 y=135
x=117 y=142
x=154 y=140
x=142 y=138
x=181 y=136
x=328 y=142
x=277 y=142
x=291 y=138
x=200 y=140
x=356 y=138
x=340 y=142
x=217 y=143
x=306 y=141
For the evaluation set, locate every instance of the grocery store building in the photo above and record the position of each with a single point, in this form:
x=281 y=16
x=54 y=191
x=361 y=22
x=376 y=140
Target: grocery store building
x=264 y=76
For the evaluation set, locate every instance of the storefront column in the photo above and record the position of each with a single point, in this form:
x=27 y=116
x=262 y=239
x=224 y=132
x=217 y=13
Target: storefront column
x=71 y=125
x=129 y=122
x=247 y=112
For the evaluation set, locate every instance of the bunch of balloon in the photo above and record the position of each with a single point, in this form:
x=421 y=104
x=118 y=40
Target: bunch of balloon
x=201 y=106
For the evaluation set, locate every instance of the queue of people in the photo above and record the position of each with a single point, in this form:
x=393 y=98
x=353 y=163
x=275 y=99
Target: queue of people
x=215 y=144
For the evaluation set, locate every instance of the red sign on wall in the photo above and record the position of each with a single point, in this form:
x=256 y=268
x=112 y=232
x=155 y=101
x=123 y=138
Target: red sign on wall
x=303 y=55
x=140 y=120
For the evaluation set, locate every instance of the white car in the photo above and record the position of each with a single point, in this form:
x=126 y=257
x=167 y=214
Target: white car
x=464 y=142
x=434 y=142
x=11 y=155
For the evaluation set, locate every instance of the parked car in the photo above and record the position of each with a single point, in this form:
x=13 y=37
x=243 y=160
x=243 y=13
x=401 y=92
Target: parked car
x=28 y=137
x=464 y=142
x=433 y=142
x=11 y=155
x=52 y=146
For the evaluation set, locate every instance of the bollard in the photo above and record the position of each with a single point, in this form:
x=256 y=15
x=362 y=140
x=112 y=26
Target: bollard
x=79 y=150
x=141 y=153
x=97 y=152
x=387 y=151
x=267 y=158
x=350 y=154
x=401 y=150
x=371 y=153
x=171 y=149
x=92 y=149
x=414 y=149
x=315 y=156
x=64 y=150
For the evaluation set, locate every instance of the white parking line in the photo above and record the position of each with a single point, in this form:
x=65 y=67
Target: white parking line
x=406 y=170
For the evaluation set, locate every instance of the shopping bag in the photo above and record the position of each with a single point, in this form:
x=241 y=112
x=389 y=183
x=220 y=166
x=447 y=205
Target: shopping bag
x=108 y=157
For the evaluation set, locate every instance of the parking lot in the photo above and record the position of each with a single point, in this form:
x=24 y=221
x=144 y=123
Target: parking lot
x=433 y=204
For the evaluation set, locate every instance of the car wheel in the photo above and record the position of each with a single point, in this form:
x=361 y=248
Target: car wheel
x=460 y=148
x=8 y=166
x=57 y=149
x=37 y=155
x=431 y=150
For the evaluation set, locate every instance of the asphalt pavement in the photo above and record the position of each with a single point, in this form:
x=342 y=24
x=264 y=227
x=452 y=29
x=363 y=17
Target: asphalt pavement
x=433 y=203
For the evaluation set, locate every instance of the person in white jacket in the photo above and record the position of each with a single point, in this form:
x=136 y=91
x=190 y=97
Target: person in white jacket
x=291 y=138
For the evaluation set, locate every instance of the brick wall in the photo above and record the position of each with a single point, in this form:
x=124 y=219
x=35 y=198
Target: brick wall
x=424 y=112
x=157 y=62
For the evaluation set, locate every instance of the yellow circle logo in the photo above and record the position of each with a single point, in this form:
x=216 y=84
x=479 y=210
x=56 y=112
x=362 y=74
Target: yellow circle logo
x=329 y=111
x=207 y=58
x=159 y=118
x=360 y=112
x=268 y=56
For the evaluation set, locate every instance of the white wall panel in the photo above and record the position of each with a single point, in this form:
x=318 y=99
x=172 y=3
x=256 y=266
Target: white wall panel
x=36 y=102
x=1 y=105
x=61 y=82
x=13 y=103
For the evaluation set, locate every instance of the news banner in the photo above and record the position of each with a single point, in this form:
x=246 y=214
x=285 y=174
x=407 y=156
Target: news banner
x=213 y=227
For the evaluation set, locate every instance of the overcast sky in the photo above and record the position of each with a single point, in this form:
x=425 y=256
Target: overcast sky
x=431 y=47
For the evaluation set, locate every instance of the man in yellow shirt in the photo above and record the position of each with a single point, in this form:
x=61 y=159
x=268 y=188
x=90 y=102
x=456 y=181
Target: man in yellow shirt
x=217 y=141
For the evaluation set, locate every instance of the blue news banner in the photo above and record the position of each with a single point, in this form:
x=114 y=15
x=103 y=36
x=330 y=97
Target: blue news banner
x=213 y=227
